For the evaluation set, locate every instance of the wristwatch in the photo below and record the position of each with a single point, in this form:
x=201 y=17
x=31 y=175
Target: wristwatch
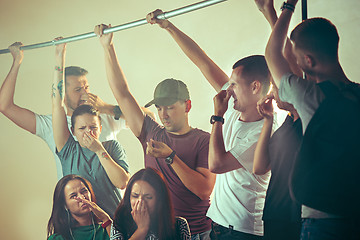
x=117 y=112
x=170 y=159
x=215 y=118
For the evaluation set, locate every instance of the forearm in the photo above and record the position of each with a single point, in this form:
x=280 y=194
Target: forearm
x=216 y=77
x=220 y=161
x=201 y=184
x=60 y=126
x=261 y=155
x=127 y=103
x=117 y=175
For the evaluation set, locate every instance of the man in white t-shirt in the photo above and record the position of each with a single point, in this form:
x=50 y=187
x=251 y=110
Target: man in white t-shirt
x=236 y=209
x=77 y=93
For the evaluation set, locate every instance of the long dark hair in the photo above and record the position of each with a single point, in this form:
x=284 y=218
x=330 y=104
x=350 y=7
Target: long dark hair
x=59 y=222
x=162 y=221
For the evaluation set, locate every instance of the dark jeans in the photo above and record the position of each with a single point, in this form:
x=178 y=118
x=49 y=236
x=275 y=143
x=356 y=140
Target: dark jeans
x=281 y=230
x=330 y=229
x=219 y=232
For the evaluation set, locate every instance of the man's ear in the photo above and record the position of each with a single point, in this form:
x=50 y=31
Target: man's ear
x=256 y=87
x=188 y=105
x=310 y=61
x=72 y=130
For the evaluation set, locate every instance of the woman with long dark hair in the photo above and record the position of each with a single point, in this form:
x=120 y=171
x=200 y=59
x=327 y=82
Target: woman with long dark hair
x=146 y=211
x=75 y=214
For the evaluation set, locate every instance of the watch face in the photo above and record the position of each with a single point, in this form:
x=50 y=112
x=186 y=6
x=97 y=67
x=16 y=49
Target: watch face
x=169 y=160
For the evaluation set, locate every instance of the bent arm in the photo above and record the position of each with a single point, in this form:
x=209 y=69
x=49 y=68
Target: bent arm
x=200 y=181
x=22 y=117
x=60 y=126
x=220 y=161
x=261 y=154
x=275 y=59
x=268 y=10
x=117 y=175
x=215 y=76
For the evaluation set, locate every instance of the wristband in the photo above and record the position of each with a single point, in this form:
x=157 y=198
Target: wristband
x=107 y=223
x=288 y=6
x=117 y=112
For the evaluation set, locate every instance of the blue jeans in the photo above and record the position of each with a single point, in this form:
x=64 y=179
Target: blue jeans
x=330 y=229
x=219 y=232
x=201 y=236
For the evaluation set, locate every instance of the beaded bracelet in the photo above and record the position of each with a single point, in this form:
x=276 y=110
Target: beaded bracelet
x=107 y=223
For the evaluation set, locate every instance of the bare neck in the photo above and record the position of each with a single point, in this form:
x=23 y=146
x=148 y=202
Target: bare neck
x=333 y=73
x=250 y=115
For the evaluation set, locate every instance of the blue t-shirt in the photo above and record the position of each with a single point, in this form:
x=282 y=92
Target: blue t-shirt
x=84 y=162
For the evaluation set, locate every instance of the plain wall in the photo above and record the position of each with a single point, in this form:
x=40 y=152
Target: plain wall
x=227 y=32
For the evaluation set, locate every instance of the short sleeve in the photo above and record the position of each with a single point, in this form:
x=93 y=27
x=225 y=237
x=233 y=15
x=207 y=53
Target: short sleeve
x=117 y=153
x=182 y=228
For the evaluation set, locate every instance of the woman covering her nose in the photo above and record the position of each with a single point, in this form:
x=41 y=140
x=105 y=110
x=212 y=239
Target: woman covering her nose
x=75 y=214
x=146 y=212
x=103 y=164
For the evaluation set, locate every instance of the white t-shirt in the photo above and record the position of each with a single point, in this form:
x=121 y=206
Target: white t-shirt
x=239 y=195
x=110 y=128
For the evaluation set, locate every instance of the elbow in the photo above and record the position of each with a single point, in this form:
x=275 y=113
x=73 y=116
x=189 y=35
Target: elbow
x=123 y=183
x=215 y=168
x=260 y=171
x=3 y=107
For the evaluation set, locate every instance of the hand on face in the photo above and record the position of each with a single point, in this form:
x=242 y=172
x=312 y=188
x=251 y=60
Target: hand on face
x=16 y=52
x=140 y=214
x=221 y=102
x=101 y=214
x=265 y=106
x=105 y=39
x=158 y=149
x=93 y=100
x=91 y=142
x=151 y=18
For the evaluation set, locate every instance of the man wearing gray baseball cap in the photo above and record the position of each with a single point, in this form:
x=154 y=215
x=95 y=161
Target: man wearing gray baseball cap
x=179 y=151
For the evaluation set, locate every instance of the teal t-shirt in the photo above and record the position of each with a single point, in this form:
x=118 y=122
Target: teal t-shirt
x=82 y=161
x=85 y=233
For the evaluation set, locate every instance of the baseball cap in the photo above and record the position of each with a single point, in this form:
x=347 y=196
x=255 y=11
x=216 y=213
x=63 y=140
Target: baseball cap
x=169 y=92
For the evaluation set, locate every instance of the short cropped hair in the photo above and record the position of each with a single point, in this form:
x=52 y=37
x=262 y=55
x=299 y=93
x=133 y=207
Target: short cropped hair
x=255 y=68
x=317 y=36
x=84 y=109
x=74 y=71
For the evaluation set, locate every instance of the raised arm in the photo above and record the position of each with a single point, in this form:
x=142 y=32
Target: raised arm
x=261 y=155
x=266 y=7
x=131 y=110
x=59 y=121
x=216 y=77
x=22 y=117
x=275 y=59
